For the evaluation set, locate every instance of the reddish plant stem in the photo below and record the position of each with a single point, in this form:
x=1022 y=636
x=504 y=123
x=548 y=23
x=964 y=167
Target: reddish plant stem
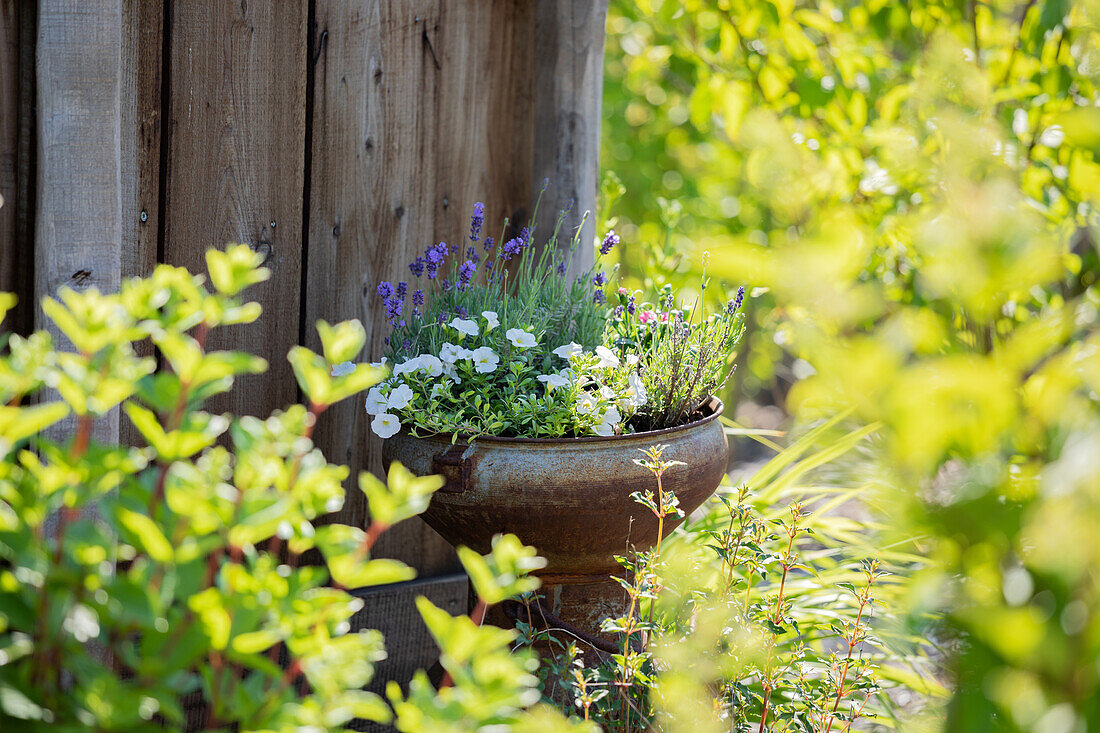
x=847 y=665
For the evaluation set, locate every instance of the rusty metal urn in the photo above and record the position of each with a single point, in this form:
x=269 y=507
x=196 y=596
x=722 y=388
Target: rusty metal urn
x=570 y=498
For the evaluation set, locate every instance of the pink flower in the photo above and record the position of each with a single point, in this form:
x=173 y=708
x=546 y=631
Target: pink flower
x=622 y=291
x=664 y=318
x=647 y=316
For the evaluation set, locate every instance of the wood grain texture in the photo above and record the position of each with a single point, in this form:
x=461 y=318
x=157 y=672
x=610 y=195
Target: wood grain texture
x=78 y=230
x=142 y=41
x=392 y=610
x=235 y=167
x=569 y=41
x=420 y=109
x=18 y=89
x=142 y=62
x=9 y=139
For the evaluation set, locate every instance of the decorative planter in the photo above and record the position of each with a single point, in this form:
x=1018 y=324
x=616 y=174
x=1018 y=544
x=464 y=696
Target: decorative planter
x=570 y=498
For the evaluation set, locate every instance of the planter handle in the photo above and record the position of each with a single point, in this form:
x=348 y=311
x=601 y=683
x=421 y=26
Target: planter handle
x=455 y=466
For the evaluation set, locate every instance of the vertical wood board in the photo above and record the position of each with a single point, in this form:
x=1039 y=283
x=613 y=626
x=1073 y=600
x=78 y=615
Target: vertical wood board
x=235 y=168
x=569 y=42
x=78 y=219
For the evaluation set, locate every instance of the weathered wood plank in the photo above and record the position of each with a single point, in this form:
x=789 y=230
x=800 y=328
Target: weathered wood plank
x=392 y=610
x=78 y=229
x=142 y=42
x=18 y=89
x=569 y=41
x=142 y=61
x=9 y=139
x=370 y=207
x=235 y=167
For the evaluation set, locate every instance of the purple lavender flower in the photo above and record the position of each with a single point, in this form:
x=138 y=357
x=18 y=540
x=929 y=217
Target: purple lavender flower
x=436 y=254
x=669 y=302
x=393 y=308
x=630 y=307
x=598 y=297
x=418 y=297
x=432 y=272
x=385 y=290
x=511 y=248
x=740 y=297
x=562 y=267
x=462 y=312
x=488 y=244
x=472 y=255
x=466 y=273
x=525 y=237
x=488 y=265
x=386 y=341
x=442 y=316
x=417 y=266
x=445 y=286
x=545 y=183
x=618 y=311
x=407 y=345
x=476 y=221
x=609 y=242
x=402 y=288
x=599 y=278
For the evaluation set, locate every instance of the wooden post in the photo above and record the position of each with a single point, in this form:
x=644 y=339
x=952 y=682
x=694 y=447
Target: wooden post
x=78 y=232
x=17 y=159
x=569 y=40
x=235 y=168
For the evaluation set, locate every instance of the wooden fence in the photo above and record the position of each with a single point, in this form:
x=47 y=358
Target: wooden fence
x=337 y=137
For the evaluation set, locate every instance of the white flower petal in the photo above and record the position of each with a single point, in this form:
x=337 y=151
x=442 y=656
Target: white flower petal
x=376 y=401
x=400 y=397
x=520 y=338
x=607 y=357
x=491 y=319
x=385 y=425
x=567 y=350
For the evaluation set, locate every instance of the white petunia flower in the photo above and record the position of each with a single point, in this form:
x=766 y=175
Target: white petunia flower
x=485 y=360
x=400 y=397
x=464 y=326
x=431 y=365
x=604 y=429
x=451 y=353
x=607 y=393
x=586 y=403
x=451 y=373
x=636 y=395
x=568 y=350
x=439 y=388
x=611 y=415
x=631 y=359
x=380 y=364
x=342 y=369
x=607 y=357
x=491 y=319
x=408 y=366
x=553 y=380
x=521 y=338
x=385 y=425
x=376 y=401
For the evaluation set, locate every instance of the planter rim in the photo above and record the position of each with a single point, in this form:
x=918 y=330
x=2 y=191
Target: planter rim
x=712 y=403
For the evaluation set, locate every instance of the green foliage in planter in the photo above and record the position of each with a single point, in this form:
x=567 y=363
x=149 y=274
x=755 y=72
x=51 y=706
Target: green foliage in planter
x=132 y=577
